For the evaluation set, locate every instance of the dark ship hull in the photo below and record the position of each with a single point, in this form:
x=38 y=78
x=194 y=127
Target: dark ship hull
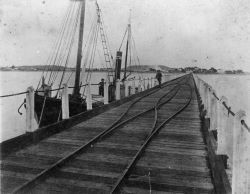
x=50 y=111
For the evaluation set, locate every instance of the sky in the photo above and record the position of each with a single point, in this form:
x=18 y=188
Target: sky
x=175 y=33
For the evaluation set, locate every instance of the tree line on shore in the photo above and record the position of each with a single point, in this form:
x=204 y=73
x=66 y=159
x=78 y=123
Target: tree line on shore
x=141 y=68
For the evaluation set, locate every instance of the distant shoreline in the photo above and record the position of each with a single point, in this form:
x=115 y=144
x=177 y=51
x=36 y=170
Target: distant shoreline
x=13 y=70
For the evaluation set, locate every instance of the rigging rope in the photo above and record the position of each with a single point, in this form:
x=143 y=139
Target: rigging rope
x=54 y=46
x=70 y=48
x=52 y=67
x=65 y=48
x=123 y=38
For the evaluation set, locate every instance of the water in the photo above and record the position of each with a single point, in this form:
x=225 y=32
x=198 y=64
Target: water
x=11 y=122
x=235 y=87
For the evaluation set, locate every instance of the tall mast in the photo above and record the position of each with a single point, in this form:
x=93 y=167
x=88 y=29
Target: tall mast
x=127 y=46
x=76 y=91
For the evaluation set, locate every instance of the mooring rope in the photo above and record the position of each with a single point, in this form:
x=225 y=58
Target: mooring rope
x=16 y=94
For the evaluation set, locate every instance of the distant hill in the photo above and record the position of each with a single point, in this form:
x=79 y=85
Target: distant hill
x=146 y=68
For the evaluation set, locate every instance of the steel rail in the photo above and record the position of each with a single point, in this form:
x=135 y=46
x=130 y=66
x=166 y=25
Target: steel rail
x=118 y=183
x=143 y=112
x=45 y=172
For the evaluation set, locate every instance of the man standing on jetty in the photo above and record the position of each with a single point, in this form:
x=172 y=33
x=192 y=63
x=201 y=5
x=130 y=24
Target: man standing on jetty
x=158 y=77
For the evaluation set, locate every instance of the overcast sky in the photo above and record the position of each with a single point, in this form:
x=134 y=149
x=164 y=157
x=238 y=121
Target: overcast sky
x=175 y=33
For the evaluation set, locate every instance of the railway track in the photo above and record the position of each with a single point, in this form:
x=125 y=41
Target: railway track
x=103 y=163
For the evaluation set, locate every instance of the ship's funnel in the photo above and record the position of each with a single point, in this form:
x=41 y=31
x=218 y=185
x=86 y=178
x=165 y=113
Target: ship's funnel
x=118 y=65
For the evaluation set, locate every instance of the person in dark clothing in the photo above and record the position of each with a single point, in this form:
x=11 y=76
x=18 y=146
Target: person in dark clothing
x=101 y=87
x=158 y=77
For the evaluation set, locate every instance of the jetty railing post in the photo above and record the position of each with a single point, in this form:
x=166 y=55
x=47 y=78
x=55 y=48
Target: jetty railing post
x=89 y=97
x=133 y=87
x=65 y=102
x=204 y=88
x=126 y=84
x=213 y=112
x=202 y=91
x=205 y=98
x=118 y=90
x=209 y=93
x=143 y=85
x=139 y=85
x=200 y=84
x=225 y=130
x=30 y=109
x=155 y=81
x=241 y=156
x=106 y=92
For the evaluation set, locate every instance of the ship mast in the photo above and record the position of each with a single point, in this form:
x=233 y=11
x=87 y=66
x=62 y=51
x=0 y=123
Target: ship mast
x=76 y=91
x=127 y=46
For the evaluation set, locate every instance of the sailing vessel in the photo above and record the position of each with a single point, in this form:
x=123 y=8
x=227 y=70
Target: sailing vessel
x=48 y=107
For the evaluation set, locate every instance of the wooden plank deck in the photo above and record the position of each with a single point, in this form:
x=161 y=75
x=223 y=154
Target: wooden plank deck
x=176 y=160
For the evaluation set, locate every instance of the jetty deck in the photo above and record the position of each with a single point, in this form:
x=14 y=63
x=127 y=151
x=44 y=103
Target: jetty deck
x=78 y=159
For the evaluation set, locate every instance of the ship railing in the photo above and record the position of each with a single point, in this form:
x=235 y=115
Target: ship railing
x=232 y=135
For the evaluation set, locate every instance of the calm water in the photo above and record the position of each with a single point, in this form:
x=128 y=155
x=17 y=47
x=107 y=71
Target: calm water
x=236 y=88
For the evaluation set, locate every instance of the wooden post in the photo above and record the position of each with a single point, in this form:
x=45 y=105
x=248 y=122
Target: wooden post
x=209 y=97
x=200 y=85
x=89 y=97
x=65 y=102
x=151 y=82
x=118 y=90
x=126 y=87
x=106 y=92
x=133 y=87
x=142 y=84
x=241 y=156
x=205 y=97
x=214 y=112
x=148 y=86
x=155 y=82
x=30 y=109
x=221 y=147
x=225 y=130
x=139 y=85
x=202 y=92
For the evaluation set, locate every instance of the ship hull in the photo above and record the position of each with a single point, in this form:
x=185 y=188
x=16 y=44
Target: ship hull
x=48 y=110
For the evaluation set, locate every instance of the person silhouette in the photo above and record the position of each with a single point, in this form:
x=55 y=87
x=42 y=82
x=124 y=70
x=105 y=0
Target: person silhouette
x=101 y=87
x=158 y=77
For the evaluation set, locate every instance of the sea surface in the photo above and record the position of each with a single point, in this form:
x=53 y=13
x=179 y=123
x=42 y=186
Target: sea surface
x=235 y=87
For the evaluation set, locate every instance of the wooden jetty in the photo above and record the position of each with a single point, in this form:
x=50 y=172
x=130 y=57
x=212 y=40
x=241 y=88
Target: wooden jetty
x=155 y=141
